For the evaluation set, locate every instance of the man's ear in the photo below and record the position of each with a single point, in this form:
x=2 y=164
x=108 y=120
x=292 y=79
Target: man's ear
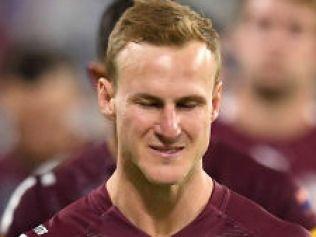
x=95 y=71
x=216 y=100
x=106 y=98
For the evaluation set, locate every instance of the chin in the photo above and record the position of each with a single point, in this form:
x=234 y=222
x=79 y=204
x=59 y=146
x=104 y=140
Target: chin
x=165 y=176
x=163 y=181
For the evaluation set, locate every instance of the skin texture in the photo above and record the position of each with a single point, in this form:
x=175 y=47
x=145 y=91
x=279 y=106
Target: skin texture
x=162 y=107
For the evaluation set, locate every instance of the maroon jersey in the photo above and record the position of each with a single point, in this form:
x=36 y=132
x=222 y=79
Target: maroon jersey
x=12 y=173
x=296 y=155
x=226 y=214
x=52 y=191
x=43 y=195
x=273 y=190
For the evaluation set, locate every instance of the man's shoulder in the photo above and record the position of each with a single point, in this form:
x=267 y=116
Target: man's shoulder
x=53 y=190
x=238 y=171
x=226 y=213
x=81 y=161
x=77 y=218
x=242 y=212
x=11 y=166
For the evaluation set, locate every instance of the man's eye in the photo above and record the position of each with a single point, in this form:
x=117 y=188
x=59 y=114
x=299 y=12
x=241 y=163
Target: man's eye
x=295 y=29
x=150 y=104
x=187 y=105
x=264 y=24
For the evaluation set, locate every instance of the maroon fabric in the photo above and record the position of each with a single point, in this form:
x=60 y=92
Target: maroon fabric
x=296 y=155
x=273 y=190
x=73 y=179
x=226 y=214
x=12 y=172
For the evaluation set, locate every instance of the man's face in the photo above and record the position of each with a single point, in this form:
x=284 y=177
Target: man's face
x=41 y=111
x=276 y=43
x=163 y=106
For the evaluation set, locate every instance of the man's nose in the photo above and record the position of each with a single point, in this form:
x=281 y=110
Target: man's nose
x=168 y=128
x=277 y=43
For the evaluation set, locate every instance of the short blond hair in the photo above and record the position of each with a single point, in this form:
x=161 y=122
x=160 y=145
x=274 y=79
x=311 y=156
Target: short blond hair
x=161 y=23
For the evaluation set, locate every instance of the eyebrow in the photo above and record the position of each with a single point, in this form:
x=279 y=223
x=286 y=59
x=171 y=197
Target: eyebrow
x=193 y=97
x=197 y=98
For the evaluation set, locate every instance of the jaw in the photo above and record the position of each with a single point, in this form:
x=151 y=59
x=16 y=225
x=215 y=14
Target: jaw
x=152 y=163
x=166 y=171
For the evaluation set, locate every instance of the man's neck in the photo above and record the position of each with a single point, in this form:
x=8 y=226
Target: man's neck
x=160 y=210
x=279 y=120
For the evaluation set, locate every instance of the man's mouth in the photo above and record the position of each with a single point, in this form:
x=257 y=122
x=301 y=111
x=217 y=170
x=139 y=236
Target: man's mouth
x=167 y=150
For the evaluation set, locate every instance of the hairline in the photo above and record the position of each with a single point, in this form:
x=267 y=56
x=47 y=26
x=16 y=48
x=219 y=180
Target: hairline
x=115 y=80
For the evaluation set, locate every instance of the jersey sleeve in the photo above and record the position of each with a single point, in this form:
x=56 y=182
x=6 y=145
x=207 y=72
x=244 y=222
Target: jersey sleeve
x=29 y=205
x=14 y=222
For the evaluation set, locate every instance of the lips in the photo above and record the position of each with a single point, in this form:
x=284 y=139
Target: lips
x=168 y=150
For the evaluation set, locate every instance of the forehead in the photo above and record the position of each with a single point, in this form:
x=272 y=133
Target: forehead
x=191 y=58
x=165 y=71
x=277 y=9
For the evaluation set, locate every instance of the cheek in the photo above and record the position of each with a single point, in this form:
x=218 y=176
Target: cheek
x=197 y=124
x=134 y=122
x=301 y=61
x=305 y=54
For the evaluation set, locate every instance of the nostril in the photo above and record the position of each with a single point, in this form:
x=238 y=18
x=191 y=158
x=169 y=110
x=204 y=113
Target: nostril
x=167 y=138
x=170 y=130
x=167 y=130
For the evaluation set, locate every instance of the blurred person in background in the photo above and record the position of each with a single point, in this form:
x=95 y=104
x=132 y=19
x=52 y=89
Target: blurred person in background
x=271 y=113
x=92 y=166
x=38 y=95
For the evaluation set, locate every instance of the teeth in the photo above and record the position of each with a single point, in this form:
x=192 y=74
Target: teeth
x=168 y=150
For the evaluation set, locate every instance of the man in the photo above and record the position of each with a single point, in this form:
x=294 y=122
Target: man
x=42 y=196
x=162 y=91
x=28 y=75
x=272 y=115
